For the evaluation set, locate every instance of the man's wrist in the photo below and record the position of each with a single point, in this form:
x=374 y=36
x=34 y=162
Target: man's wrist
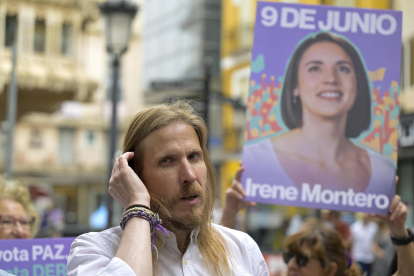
x=401 y=232
x=402 y=237
x=141 y=201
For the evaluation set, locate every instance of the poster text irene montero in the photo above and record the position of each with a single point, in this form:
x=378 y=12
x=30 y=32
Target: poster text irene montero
x=304 y=18
x=317 y=195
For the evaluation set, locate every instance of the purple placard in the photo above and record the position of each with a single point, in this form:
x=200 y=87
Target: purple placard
x=35 y=257
x=323 y=111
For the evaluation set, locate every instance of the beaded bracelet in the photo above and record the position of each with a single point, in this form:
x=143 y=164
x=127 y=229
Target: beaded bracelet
x=149 y=212
x=152 y=218
x=138 y=205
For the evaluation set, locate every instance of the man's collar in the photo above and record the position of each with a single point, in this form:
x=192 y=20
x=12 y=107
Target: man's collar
x=194 y=235
x=161 y=237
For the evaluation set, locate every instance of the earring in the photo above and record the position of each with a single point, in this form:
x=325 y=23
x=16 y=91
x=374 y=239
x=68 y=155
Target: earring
x=294 y=99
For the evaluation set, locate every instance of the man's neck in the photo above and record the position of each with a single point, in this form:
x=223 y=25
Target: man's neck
x=182 y=237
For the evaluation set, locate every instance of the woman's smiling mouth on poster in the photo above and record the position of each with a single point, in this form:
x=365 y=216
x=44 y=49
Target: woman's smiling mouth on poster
x=330 y=95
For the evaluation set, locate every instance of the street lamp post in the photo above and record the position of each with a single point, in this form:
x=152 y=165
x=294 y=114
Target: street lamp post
x=118 y=16
x=11 y=109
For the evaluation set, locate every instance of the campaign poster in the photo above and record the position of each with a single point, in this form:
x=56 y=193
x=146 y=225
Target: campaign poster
x=35 y=257
x=323 y=111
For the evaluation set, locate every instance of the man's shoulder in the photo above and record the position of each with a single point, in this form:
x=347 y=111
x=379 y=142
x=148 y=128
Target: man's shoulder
x=110 y=236
x=104 y=243
x=244 y=251
x=113 y=231
x=226 y=230
x=233 y=235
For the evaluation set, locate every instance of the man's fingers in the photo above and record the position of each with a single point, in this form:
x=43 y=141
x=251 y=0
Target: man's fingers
x=396 y=179
x=129 y=155
x=395 y=201
x=396 y=212
x=123 y=160
x=239 y=188
x=245 y=204
x=238 y=196
x=239 y=173
x=402 y=214
x=232 y=193
x=250 y=203
x=115 y=167
x=383 y=217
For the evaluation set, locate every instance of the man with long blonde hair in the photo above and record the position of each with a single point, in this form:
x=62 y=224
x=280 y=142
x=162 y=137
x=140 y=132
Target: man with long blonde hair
x=165 y=179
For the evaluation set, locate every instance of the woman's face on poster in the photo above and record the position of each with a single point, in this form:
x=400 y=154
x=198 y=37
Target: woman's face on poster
x=326 y=80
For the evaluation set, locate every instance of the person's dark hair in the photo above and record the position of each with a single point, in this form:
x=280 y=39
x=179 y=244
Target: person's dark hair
x=359 y=117
x=326 y=245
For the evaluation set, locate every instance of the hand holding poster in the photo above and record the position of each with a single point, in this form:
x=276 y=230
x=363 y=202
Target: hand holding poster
x=322 y=118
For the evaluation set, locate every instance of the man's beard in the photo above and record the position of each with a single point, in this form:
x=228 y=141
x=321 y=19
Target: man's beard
x=188 y=223
x=196 y=214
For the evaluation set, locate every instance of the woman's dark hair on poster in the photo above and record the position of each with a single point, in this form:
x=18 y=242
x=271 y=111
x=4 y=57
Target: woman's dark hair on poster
x=359 y=117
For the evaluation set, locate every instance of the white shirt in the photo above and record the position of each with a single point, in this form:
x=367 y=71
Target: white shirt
x=363 y=236
x=93 y=254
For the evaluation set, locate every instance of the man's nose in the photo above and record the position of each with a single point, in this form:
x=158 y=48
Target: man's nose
x=187 y=173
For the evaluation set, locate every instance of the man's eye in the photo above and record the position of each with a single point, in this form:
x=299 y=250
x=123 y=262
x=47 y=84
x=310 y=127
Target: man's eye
x=7 y=222
x=165 y=160
x=193 y=156
x=25 y=222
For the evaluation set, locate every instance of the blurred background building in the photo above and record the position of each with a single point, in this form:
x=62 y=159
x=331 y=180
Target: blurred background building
x=61 y=135
x=405 y=186
x=181 y=46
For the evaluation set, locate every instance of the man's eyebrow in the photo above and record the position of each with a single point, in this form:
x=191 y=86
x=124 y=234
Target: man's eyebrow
x=165 y=154
x=173 y=153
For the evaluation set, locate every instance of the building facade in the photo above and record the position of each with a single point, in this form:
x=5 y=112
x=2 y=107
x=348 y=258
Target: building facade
x=181 y=57
x=405 y=168
x=179 y=36
x=61 y=135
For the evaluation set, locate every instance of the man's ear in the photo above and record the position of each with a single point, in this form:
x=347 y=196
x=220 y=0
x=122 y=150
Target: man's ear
x=333 y=268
